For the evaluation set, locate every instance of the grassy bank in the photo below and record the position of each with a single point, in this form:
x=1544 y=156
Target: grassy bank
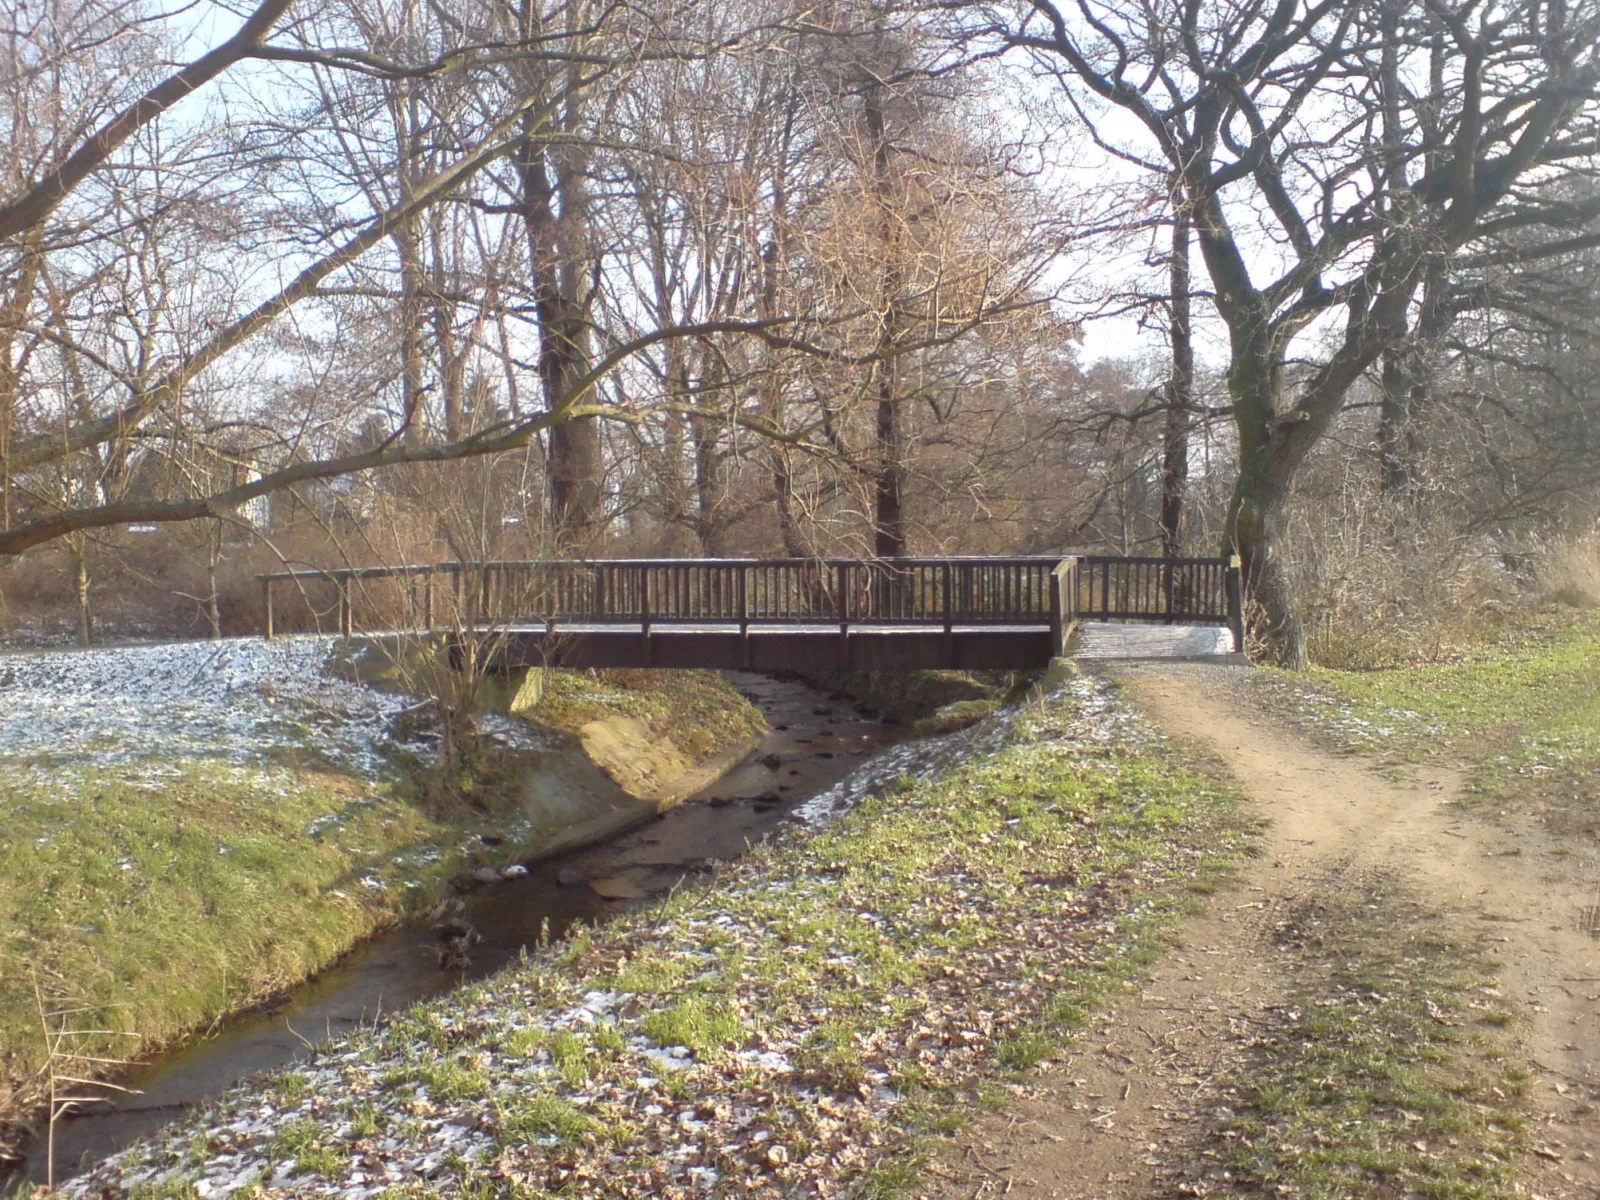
x=1387 y=1071
x=158 y=897
x=697 y=710
x=1525 y=712
x=808 y=1021
x=151 y=889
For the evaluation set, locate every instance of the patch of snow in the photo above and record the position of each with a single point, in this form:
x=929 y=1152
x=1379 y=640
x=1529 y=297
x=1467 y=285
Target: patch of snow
x=231 y=701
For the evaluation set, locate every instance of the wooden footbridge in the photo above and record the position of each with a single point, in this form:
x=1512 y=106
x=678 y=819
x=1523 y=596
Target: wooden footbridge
x=767 y=614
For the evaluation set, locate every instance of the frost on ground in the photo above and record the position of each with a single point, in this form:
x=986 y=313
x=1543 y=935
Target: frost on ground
x=789 y=1029
x=235 y=701
x=1345 y=723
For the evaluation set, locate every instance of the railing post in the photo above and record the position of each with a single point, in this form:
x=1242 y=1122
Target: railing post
x=266 y=604
x=1233 y=581
x=949 y=618
x=1058 y=622
x=346 y=616
x=644 y=612
x=427 y=599
x=743 y=577
x=842 y=576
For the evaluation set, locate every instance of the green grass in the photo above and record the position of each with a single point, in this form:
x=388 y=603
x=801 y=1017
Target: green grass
x=155 y=901
x=1387 y=1072
x=1527 y=712
x=536 y=1117
x=1049 y=872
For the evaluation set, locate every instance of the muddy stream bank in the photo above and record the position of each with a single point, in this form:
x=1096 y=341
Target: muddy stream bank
x=814 y=742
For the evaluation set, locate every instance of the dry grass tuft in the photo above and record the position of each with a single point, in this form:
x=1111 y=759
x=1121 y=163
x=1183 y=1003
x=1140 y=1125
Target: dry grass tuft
x=1569 y=569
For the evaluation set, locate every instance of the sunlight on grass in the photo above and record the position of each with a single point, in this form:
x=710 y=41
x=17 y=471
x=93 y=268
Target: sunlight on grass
x=1387 y=1072
x=1530 y=708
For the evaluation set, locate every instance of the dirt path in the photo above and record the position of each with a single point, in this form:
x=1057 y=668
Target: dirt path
x=1125 y=1115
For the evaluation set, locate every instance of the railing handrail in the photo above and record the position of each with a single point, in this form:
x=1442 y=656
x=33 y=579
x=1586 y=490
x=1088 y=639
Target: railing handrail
x=926 y=560
x=1151 y=560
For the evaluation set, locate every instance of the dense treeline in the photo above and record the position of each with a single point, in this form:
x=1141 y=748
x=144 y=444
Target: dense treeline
x=373 y=280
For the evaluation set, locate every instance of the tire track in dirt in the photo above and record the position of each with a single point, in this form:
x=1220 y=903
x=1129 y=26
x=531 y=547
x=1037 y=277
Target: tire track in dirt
x=1130 y=1103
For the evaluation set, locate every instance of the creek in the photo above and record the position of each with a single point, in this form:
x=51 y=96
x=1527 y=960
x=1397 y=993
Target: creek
x=814 y=741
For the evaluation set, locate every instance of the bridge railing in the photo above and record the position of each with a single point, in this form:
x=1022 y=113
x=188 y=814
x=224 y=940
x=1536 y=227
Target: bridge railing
x=1186 y=590
x=936 y=592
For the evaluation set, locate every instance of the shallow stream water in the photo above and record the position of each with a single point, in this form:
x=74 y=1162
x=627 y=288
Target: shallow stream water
x=815 y=741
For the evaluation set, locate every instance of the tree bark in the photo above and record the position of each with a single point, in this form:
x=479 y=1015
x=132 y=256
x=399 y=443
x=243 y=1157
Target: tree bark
x=405 y=241
x=557 y=245
x=771 y=385
x=1268 y=459
x=79 y=548
x=889 y=526
x=1180 y=392
x=1406 y=383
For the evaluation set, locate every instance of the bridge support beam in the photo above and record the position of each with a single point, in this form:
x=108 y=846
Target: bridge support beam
x=782 y=650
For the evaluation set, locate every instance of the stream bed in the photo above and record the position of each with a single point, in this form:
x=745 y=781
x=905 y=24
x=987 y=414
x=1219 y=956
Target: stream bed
x=814 y=742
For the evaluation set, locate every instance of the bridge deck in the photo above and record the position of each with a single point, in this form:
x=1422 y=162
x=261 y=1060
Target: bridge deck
x=1104 y=640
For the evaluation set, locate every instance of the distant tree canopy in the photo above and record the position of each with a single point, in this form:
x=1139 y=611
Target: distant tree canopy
x=757 y=277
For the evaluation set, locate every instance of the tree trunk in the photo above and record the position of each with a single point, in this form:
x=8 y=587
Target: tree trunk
x=1180 y=393
x=1270 y=453
x=709 y=521
x=1406 y=384
x=550 y=175
x=27 y=271
x=770 y=386
x=889 y=525
x=889 y=518
x=78 y=545
x=214 y=560
x=1255 y=523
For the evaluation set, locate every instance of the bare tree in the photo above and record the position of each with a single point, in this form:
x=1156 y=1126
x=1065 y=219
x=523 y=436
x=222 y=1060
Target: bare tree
x=1323 y=122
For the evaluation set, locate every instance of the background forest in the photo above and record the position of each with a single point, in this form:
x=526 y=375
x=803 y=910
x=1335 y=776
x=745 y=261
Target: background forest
x=378 y=281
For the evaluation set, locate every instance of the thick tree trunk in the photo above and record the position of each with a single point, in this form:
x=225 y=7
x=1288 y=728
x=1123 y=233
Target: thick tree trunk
x=576 y=487
x=1402 y=390
x=557 y=253
x=16 y=304
x=1180 y=393
x=553 y=200
x=890 y=517
x=1270 y=454
x=889 y=525
x=771 y=387
x=1255 y=524
x=710 y=521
